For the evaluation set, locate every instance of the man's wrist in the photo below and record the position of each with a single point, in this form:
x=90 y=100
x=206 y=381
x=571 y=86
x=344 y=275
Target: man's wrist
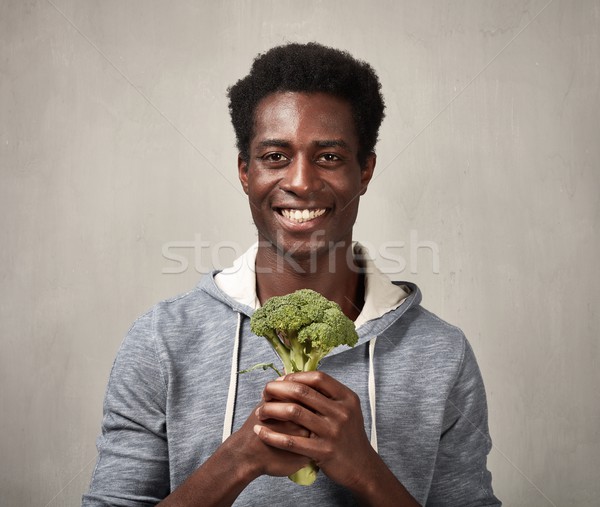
x=243 y=468
x=218 y=481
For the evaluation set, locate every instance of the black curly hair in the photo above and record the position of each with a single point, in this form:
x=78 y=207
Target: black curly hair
x=309 y=68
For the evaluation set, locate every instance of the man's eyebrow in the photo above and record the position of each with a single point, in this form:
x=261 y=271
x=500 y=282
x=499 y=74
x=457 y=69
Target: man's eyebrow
x=274 y=142
x=323 y=143
x=333 y=143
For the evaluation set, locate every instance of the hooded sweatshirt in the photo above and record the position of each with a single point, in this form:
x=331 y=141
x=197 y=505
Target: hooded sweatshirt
x=174 y=395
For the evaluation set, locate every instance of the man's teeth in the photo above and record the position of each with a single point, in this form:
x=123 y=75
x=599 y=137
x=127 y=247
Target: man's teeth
x=302 y=215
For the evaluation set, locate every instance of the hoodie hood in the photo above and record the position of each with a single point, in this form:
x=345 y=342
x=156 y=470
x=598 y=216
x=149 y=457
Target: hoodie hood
x=236 y=287
x=366 y=331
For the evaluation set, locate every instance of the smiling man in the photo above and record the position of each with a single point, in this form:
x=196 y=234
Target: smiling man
x=303 y=179
x=398 y=420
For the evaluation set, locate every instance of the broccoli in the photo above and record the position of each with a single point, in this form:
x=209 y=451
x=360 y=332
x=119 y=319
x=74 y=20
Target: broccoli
x=302 y=327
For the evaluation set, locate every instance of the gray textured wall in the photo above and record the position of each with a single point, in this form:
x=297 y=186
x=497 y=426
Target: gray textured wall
x=115 y=145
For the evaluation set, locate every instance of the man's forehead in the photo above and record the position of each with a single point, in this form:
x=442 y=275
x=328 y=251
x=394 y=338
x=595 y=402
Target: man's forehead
x=281 y=115
x=288 y=96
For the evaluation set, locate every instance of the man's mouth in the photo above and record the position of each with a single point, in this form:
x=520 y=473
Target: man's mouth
x=302 y=215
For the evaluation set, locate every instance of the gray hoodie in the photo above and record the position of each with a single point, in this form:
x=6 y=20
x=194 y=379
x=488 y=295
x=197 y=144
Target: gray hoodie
x=173 y=396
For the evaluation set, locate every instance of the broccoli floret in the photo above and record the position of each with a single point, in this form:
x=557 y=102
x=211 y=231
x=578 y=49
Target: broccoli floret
x=303 y=327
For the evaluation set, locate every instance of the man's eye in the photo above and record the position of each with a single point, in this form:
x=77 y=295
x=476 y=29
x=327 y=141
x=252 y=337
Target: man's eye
x=330 y=157
x=274 y=157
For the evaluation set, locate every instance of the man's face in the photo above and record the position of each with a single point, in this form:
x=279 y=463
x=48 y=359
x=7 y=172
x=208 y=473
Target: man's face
x=302 y=178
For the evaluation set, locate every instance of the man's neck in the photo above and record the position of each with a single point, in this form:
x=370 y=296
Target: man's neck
x=335 y=274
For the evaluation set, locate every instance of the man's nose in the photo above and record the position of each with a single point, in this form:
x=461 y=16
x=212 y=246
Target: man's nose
x=302 y=177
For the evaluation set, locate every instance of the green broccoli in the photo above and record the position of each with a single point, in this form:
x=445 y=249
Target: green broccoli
x=303 y=327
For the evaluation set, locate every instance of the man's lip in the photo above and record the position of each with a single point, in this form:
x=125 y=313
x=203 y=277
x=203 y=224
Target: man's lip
x=301 y=214
x=281 y=209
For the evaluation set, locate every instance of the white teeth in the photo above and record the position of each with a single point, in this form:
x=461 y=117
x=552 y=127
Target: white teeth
x=303 y=215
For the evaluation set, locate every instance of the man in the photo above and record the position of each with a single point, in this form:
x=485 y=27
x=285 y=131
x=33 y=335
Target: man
x=400 y=419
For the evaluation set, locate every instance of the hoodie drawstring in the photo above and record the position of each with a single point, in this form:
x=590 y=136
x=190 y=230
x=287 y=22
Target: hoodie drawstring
x=231 y=393
x=230 y=406
x=372 y=393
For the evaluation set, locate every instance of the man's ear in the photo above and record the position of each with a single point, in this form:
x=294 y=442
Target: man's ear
x=366 y=172
x=243 y=172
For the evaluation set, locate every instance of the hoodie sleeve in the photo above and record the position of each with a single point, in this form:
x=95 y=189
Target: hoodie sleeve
x=461 y=477
x=132 y=467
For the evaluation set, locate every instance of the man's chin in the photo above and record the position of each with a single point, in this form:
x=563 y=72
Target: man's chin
x=306 y=256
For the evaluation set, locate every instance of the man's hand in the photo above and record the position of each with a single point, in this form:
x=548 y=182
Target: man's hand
x=266 y=459
x=329 y=411
x=337 y=441
x=302 y=417
x=238 y=461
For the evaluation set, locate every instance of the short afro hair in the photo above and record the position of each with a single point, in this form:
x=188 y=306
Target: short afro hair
x=309 y=68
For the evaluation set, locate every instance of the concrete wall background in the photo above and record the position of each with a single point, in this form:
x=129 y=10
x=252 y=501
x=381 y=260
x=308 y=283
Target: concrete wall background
x=115 y=142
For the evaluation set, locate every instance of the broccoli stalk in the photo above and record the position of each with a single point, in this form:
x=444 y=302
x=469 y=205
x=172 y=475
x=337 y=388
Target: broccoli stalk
x=303 y=327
